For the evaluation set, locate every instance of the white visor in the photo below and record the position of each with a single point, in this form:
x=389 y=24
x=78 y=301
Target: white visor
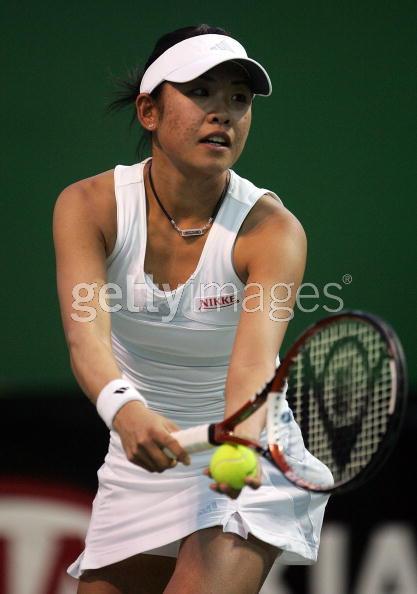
x=192 y=57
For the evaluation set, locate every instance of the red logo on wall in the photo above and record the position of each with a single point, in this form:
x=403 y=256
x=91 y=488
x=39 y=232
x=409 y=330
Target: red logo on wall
x=42 y=531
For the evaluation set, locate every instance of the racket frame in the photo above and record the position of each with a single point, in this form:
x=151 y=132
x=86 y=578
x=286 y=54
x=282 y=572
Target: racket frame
x=216 y=434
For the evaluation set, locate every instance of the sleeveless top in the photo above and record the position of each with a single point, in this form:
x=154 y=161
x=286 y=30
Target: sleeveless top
x=175 y=345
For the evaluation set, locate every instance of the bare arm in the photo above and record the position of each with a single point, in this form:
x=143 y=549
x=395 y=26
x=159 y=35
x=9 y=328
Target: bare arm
x=81 y=269
x=80 y=263
x=275 y=252
x=272 y=253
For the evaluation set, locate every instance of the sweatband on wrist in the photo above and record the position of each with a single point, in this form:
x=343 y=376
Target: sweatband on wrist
x=113 y=396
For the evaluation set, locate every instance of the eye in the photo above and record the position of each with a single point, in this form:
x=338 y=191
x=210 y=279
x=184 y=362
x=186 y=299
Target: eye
x=242 y=97
x=199 y=92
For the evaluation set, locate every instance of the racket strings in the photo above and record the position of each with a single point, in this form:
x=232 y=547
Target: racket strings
x=340 y=390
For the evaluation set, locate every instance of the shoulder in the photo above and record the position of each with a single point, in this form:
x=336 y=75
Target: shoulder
x=269 y=217
x=92 y=201
x=91 y=192
x=269 y=235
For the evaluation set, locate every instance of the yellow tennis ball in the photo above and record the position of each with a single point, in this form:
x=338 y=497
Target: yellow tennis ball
x=232 y=463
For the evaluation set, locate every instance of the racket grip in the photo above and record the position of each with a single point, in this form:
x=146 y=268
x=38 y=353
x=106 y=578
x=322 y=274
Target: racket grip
x=194 y=439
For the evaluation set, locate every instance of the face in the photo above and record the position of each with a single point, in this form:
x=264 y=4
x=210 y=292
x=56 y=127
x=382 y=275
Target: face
x=219 y=101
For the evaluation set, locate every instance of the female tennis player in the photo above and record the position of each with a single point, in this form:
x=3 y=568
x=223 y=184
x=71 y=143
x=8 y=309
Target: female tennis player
x=176 y=280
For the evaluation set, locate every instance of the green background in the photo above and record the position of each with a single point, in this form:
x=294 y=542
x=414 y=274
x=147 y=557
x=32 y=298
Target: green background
x=336 y=141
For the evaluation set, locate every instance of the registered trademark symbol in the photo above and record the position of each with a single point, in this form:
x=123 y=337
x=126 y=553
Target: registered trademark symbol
x=347 y=279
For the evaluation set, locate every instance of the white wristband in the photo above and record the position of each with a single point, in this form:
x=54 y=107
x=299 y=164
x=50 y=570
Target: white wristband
x=115 y=395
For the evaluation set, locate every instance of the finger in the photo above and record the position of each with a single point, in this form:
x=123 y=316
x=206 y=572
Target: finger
x=253 y=483
x=141 y=458
x=151 y=457
x=159 y=457
x=207 y=472
x=233 y=493
x=171 y=427
x=225 y=489
x=172 y=444
x=258 y=477
x=216 y=487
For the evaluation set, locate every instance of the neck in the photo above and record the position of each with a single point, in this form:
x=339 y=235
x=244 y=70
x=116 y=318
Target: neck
x=188 y=195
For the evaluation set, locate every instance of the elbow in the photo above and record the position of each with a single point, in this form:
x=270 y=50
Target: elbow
x=75 y=340
x=80 y=339
x=77 y=347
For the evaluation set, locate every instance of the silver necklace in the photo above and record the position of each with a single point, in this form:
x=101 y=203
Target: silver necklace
x=195 y=231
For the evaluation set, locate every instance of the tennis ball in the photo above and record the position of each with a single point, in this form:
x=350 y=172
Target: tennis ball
x=232 y=463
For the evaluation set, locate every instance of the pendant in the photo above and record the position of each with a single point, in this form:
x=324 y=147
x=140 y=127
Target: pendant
x=191 y=232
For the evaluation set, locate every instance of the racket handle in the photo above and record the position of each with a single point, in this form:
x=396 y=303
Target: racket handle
x=194 y=439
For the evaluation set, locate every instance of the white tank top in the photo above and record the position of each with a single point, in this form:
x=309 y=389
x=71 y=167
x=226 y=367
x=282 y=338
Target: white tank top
x=175 y=345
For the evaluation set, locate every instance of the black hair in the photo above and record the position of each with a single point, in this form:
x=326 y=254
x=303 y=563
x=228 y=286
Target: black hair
x=129 y=88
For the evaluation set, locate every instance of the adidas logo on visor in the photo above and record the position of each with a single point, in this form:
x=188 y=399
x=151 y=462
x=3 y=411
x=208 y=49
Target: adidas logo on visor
x=223 y=45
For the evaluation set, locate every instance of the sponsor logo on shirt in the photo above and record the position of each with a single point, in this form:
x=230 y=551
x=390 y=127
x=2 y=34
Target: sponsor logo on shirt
x=218 y=302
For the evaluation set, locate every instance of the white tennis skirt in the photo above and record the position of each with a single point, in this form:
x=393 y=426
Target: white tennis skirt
x=136 y=511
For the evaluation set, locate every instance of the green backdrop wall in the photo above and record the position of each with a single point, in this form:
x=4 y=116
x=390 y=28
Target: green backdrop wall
x=335 y=141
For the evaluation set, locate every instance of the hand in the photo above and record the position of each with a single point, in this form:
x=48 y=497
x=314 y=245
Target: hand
x=144 y=434
x=254 y=482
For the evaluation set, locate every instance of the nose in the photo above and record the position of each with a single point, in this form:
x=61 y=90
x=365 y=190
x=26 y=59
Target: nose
x=219 y=117
x=219 y=113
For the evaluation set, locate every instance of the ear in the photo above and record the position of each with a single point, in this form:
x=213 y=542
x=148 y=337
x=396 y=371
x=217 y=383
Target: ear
x=147 y=112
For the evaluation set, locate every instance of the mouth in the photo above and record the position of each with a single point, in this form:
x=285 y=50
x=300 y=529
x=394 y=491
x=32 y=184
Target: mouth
x=219 y=141
x=217 y=148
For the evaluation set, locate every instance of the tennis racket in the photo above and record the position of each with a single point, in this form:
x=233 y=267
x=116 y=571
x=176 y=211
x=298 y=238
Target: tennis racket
x=334 y=405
